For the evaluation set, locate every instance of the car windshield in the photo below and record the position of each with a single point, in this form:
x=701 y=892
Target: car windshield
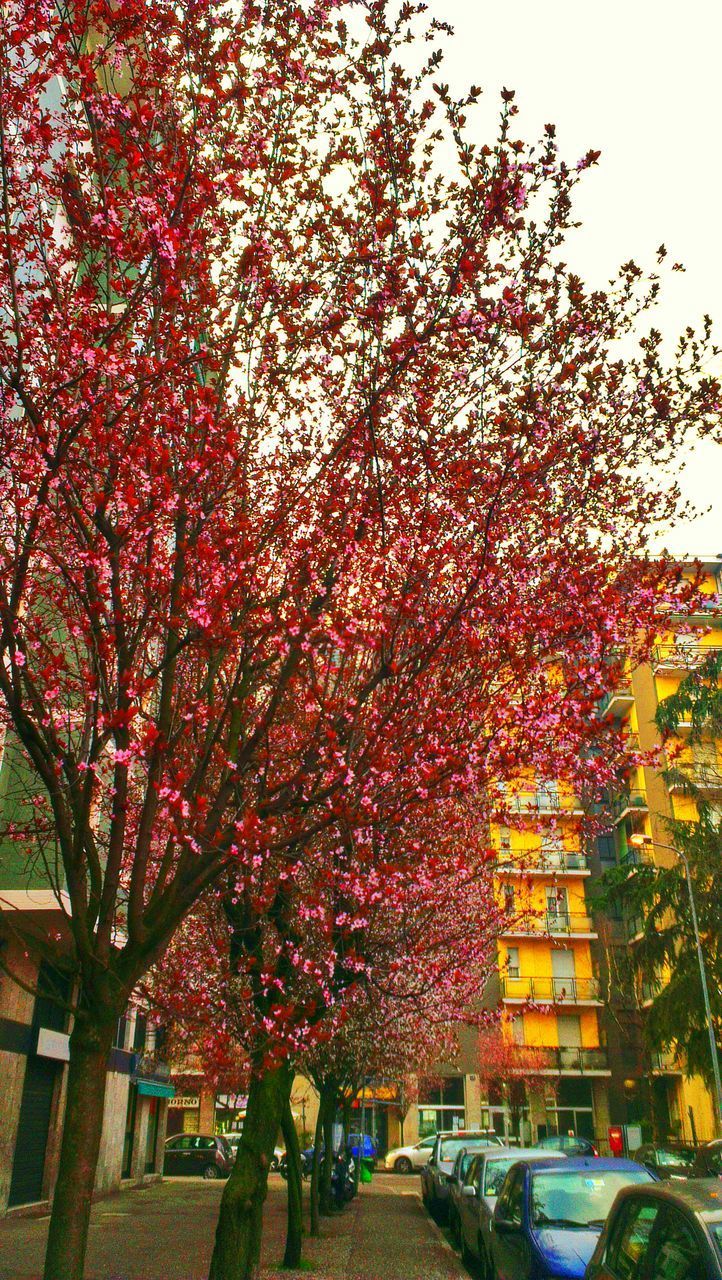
x=579 y=1197
x=495 y=1173
x=670 y=1159
x=561 y=1142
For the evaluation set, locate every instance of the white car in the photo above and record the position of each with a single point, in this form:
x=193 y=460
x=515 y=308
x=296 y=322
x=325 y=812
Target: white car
x=409 y=1159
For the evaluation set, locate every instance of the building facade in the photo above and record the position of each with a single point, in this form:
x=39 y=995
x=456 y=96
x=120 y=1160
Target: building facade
x=34 y=1053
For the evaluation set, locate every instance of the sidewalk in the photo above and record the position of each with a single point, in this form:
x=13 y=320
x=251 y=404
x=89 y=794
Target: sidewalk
x=165 y=1232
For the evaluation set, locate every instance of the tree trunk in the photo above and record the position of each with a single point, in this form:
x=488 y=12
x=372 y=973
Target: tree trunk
x=326 y=1199
x=237 y=1251
x=90 y=1044
x=316 y=1168
x=346 y=1122
x=294 y=1227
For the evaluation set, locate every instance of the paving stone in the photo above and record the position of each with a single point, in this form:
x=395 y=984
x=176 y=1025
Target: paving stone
x=165 y=1232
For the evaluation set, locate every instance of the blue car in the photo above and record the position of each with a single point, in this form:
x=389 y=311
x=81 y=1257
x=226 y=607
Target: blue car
x=549 y=1215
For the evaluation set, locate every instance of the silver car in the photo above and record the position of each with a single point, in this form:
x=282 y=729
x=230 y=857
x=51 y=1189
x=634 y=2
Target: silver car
x=436 y=1177
x=475 y=1203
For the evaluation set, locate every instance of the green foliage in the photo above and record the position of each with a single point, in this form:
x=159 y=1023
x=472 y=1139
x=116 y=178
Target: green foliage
x=698 y=701
x=655 y=900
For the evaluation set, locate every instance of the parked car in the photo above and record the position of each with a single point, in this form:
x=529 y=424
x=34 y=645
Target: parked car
x=410 y=1159
x=673 y=1160
x=199 y=1155
x=435 y=1175
x=570 y=1144
x=708 y=1160
x=473 y=1205
x=549 y=1215
x=668 y=1231
x=457 y=1177
x=233 y=1140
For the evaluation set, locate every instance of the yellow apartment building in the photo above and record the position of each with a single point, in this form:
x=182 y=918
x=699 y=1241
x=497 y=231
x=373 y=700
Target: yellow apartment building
x=548 y=982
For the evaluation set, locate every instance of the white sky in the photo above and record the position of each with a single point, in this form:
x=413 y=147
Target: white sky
x=639 y=80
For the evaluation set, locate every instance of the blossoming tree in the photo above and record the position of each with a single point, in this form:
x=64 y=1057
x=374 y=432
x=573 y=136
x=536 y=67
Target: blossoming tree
x=303 y=417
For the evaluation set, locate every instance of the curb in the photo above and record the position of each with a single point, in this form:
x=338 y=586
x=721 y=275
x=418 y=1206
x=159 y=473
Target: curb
x=441 y=1237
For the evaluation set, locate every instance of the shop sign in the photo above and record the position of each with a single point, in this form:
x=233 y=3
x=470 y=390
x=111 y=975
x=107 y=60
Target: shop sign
x=185 y=1100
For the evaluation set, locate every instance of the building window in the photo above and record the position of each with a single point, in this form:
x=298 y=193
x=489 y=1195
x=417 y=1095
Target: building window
x=441 y=1105
x=517 y=1028
x=512 y=962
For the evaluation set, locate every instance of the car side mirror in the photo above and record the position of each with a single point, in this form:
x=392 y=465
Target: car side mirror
x=505 y=1227
x=468 y=1191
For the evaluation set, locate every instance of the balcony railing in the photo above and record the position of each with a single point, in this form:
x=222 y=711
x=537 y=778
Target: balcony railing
x=534 y=862
x=617 y=702
x=631 y=803
x=631 y=857
x=551 y=990
x=702 y=776
x=552 y=922
x=540 y=801
x=572 y=1061
x=666 y=1063
x=679 y=659
x=148 y=1066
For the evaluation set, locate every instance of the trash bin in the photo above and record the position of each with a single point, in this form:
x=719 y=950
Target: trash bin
x=367 y=1168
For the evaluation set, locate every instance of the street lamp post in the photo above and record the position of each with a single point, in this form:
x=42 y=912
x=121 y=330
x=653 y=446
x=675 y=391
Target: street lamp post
x=639 y=840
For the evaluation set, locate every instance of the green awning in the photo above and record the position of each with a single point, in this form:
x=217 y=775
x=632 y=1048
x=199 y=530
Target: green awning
x=152 y=1089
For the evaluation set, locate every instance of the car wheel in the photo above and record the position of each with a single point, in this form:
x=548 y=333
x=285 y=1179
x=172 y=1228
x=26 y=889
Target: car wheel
x=402 y=1165
x=210 y=1172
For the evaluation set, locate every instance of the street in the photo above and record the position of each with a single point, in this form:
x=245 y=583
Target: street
x=165 y=1232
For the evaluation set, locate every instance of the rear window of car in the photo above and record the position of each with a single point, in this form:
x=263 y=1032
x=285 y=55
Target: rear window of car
x=450 y=1147
x=670 y=1159
x=579 y=1197
x=494 y=1175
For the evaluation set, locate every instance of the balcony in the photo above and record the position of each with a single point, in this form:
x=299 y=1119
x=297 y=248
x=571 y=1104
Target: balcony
x=705 y=778
x=666 y=1064
x=617 y=703
x=535 y=863
x=680 y=659
x=148 y=1066
x=568 y=991
x=541 y=801
x=554 y=924
x=630 y=805
x=572 y=1062
x=631 y=857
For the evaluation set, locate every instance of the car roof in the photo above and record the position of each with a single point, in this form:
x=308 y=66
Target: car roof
x=466 y=1133
x=525 y=1153
x=701 y=1195
x=579 y=1164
